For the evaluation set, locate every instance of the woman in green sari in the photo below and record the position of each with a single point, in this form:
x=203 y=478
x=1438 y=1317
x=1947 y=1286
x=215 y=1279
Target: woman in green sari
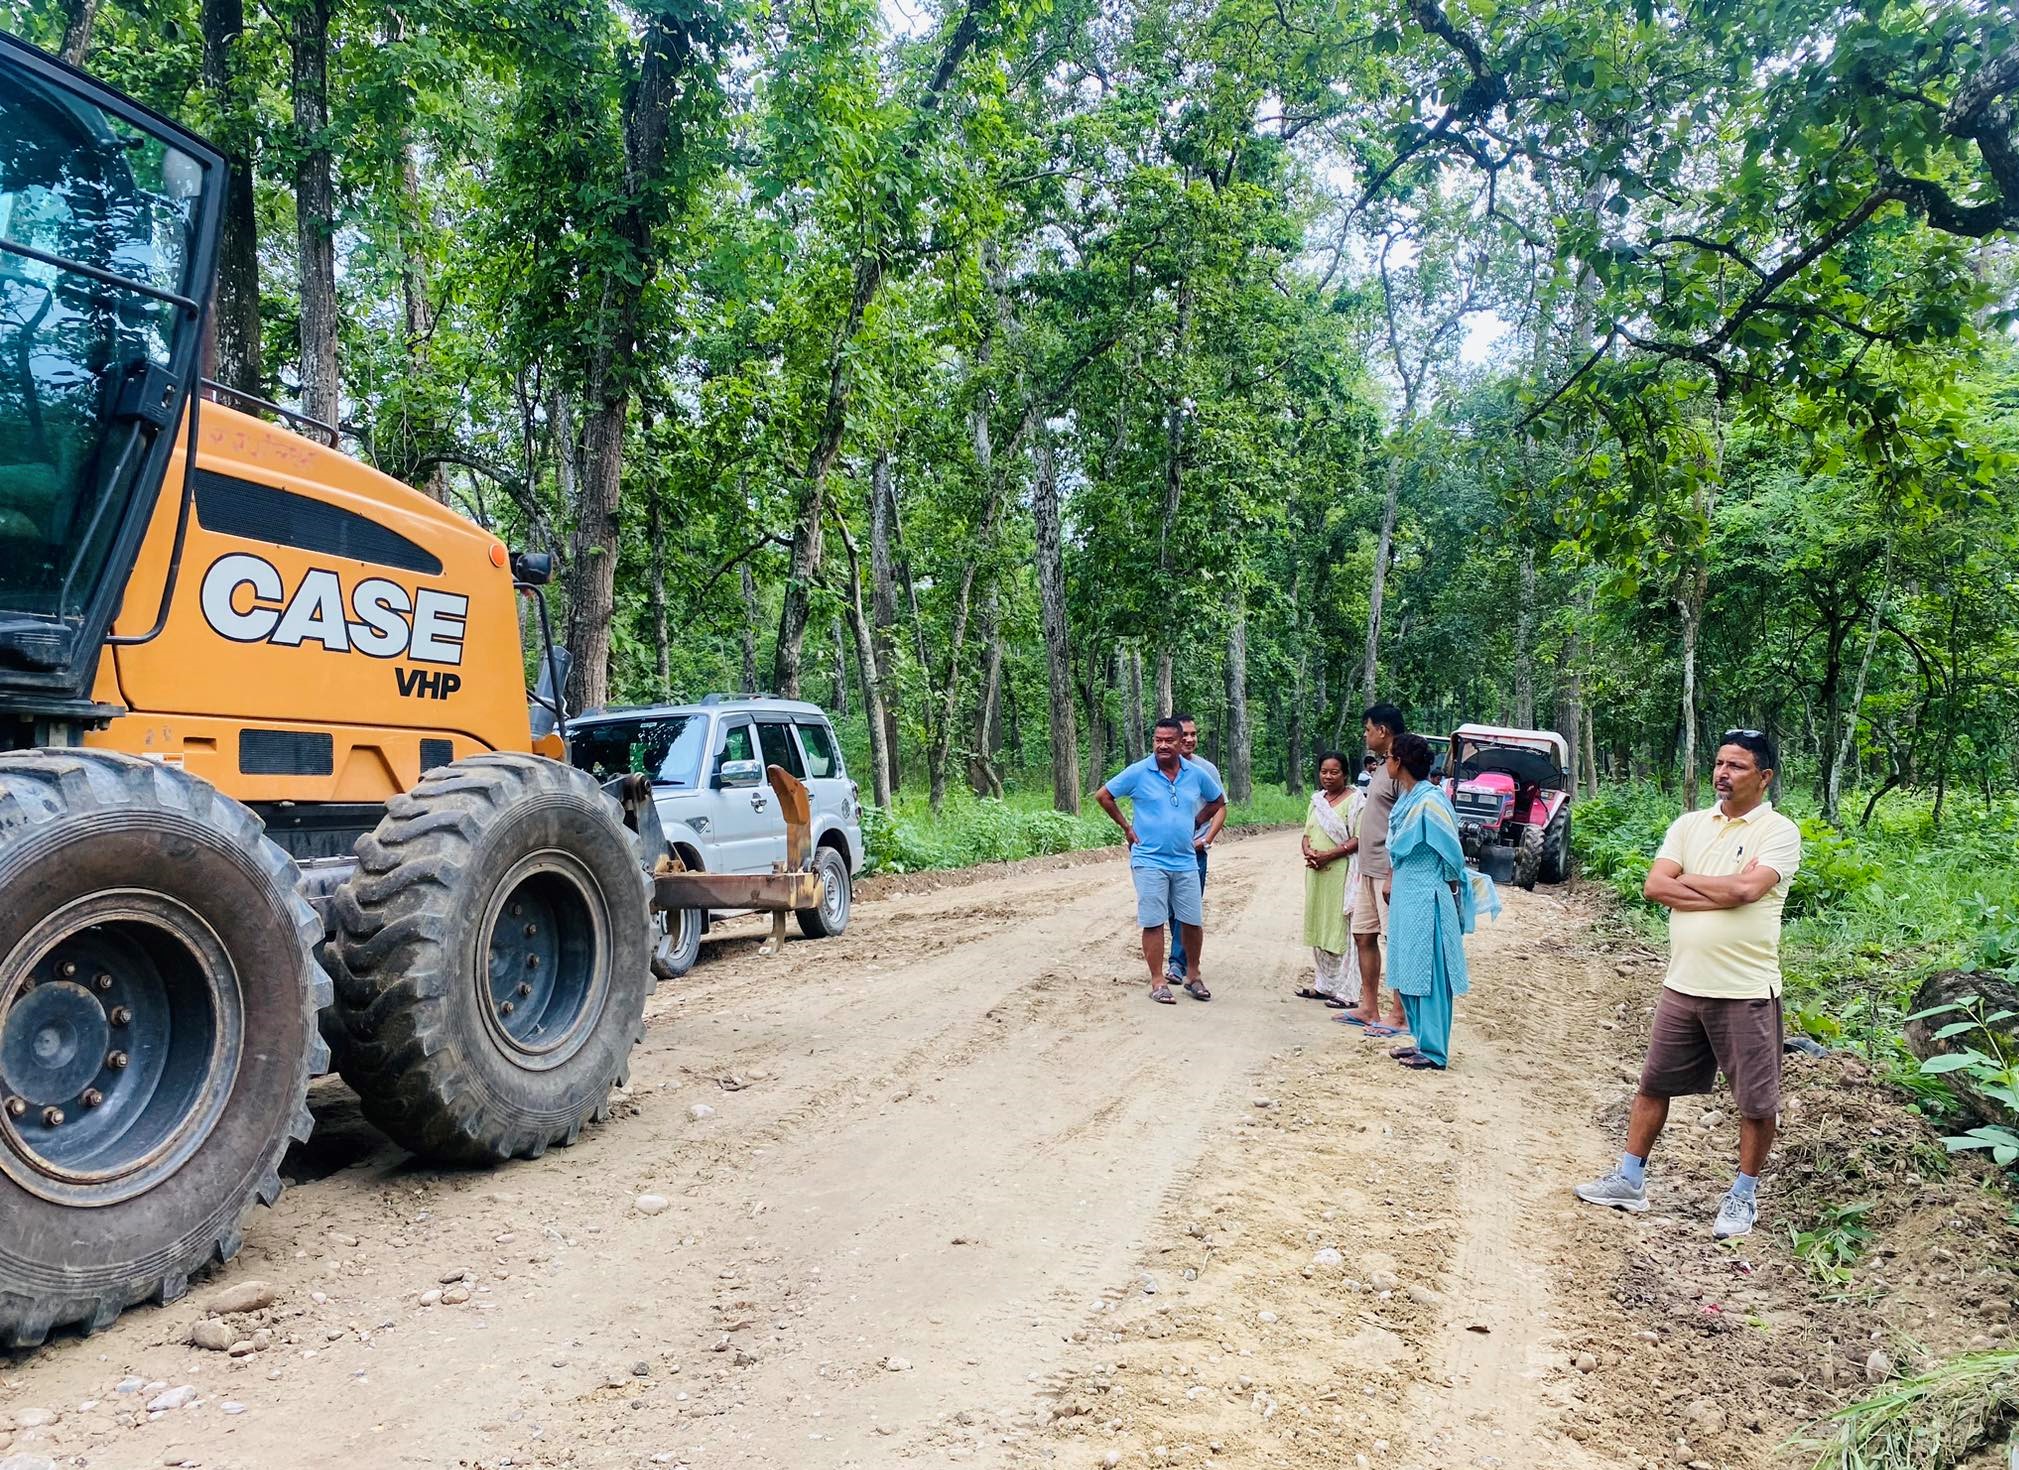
x=1328 y=847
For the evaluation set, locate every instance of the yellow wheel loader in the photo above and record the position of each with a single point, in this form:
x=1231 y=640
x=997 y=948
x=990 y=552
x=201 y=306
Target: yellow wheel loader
x=268 y=770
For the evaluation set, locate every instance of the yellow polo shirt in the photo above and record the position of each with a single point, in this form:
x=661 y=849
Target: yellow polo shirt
x=1730 y=954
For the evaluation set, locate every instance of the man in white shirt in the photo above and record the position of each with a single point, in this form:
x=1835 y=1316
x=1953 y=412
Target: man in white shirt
x=1723 y=873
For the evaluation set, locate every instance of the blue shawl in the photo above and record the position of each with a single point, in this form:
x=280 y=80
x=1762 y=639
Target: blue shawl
x=1423 y=818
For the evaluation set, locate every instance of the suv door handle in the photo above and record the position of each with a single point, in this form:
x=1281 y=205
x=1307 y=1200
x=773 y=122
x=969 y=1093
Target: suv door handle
x=758 y=801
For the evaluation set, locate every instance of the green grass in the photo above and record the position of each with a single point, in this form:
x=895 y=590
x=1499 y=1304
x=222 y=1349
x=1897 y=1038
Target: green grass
x=968 y=830
x=1931 y=1421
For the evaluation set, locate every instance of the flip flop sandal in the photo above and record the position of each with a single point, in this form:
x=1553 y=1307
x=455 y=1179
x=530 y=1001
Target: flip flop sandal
x=1402 y=1053
x=1307 y=993
x=1333 y=1003
x=1163 y=997
x=1349 y=1021
x=1197 y=990
x=1418 y=1063
x=1382 y=1033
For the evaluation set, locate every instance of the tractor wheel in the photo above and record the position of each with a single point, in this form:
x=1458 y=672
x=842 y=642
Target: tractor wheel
x=492 y=959
x=1528 y=856
x=678 y=942
x=158 y=999
x=836 y=897
x=1556 y=847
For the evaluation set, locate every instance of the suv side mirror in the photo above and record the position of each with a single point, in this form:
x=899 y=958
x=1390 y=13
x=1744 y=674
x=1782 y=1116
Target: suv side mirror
x=739 y=773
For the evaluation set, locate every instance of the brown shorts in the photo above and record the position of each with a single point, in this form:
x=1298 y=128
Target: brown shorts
x=1695 y=1037
x=1370 y=909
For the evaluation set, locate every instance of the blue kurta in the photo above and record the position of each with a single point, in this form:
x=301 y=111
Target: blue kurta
x=1427 y=924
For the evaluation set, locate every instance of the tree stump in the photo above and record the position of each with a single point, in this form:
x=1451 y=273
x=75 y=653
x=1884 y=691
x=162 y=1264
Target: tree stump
x=1996 y=994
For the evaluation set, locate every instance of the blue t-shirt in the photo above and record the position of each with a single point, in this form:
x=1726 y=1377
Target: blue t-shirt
x=1166 y=811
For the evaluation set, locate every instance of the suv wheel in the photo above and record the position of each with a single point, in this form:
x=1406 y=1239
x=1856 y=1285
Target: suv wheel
x=830 y=916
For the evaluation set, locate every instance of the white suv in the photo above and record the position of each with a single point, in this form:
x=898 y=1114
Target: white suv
x=706 y=762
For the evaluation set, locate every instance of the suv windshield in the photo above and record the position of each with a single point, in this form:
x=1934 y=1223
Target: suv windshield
x=668 y=748
x=97 y=259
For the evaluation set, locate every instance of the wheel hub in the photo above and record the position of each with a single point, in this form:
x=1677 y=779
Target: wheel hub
x=54 y=1045
x=544 y=954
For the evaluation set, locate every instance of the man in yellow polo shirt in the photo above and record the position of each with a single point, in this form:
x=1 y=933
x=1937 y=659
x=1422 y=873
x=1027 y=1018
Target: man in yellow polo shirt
x=1723 y=873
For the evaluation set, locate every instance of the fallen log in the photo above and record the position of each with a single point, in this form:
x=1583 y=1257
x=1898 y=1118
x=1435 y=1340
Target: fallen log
x=1985 y=995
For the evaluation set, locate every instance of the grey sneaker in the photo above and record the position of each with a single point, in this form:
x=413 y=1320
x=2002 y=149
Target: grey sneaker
x=1615 y=1191
x=1735 y=1217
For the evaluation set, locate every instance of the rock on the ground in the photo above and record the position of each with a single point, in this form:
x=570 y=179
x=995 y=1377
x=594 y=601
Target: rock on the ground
x=26 y=1462
x=455 y=1296
x=651 y=1204
x=212 y=1335
x=174 y=1398
x=700 y=1111
x=243 y=1348
x=1878 y=1367
x=895 y=1364
x=1329 y=1258
x=1383 y=1281
x=36 y=1418
x=1706 y=1416
x=1587 y=1362
x=246 y=1296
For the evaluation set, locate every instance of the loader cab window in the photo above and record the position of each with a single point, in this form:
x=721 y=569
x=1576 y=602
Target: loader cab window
x=98 y=220
x=667 y=749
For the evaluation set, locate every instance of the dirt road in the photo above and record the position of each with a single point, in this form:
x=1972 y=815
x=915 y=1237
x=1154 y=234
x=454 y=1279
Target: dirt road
x=949 y=1189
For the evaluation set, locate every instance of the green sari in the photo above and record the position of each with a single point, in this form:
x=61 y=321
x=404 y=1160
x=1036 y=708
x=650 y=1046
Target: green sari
x=1325 y=888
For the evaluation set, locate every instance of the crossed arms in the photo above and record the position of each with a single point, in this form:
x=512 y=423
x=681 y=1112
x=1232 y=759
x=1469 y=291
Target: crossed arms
x=1696 y=893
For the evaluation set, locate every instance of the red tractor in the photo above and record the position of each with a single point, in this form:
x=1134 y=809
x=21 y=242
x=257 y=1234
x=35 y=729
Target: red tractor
x=1511 y=790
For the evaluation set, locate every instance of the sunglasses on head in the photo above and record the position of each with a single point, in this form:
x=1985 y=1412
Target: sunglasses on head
x=1746 y=734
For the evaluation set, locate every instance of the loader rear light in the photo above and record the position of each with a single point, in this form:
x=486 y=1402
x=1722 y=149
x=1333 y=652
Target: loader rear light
x=497 y=554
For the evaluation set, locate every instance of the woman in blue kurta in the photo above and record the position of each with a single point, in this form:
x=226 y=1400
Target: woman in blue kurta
x=1434 y=903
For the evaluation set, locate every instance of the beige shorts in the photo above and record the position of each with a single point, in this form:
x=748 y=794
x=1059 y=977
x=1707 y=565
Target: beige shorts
x=1370 y=909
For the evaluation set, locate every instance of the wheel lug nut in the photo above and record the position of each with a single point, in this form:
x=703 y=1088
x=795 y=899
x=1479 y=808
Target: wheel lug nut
x=525 y=989
x=117 y=1061
x=518 y=909
x=16 y=1107
x=92 y=1097
x=68 y=970
x=532 y=962
x=103 y=982
x=506 y=1009
x=53 y=1117
x=121 y=1015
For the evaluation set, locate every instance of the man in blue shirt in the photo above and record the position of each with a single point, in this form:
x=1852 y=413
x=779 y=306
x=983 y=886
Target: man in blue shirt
x=1169 y=798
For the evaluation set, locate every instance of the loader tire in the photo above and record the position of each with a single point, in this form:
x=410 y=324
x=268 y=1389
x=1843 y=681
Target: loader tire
x=830 y=916
x=1556 y=848
x=492 y=958
x=158 y=1000
x=1528 y=856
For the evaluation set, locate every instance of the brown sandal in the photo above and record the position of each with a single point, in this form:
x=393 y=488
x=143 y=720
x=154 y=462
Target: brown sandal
x=1161 y=994
x=1197 y=990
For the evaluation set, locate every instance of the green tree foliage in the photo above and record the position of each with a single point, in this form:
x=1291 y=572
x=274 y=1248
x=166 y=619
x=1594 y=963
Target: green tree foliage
x=1635 y=371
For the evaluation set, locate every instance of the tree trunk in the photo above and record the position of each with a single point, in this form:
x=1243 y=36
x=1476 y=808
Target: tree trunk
x=1097 y=732
x=1840 y=756
x=420 y=313
x=840 y=703
x=1051 y=579
x=592 y=562
x=1524 y=645
x=239 y=363
x=1590 y=754
x=883 y=599
x=1377 y=586
x=1570 y=704
x=1240 y=752
x=1293 y=749
x=872 y=694
x=1691 y=612
x=1133 y=731
x=77 y=30
x=315 y=213
x=751 y=612
x=988 y=718
x=655 y=548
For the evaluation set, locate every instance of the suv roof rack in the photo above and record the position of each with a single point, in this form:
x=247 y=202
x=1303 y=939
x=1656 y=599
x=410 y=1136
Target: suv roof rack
x=733 y=698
